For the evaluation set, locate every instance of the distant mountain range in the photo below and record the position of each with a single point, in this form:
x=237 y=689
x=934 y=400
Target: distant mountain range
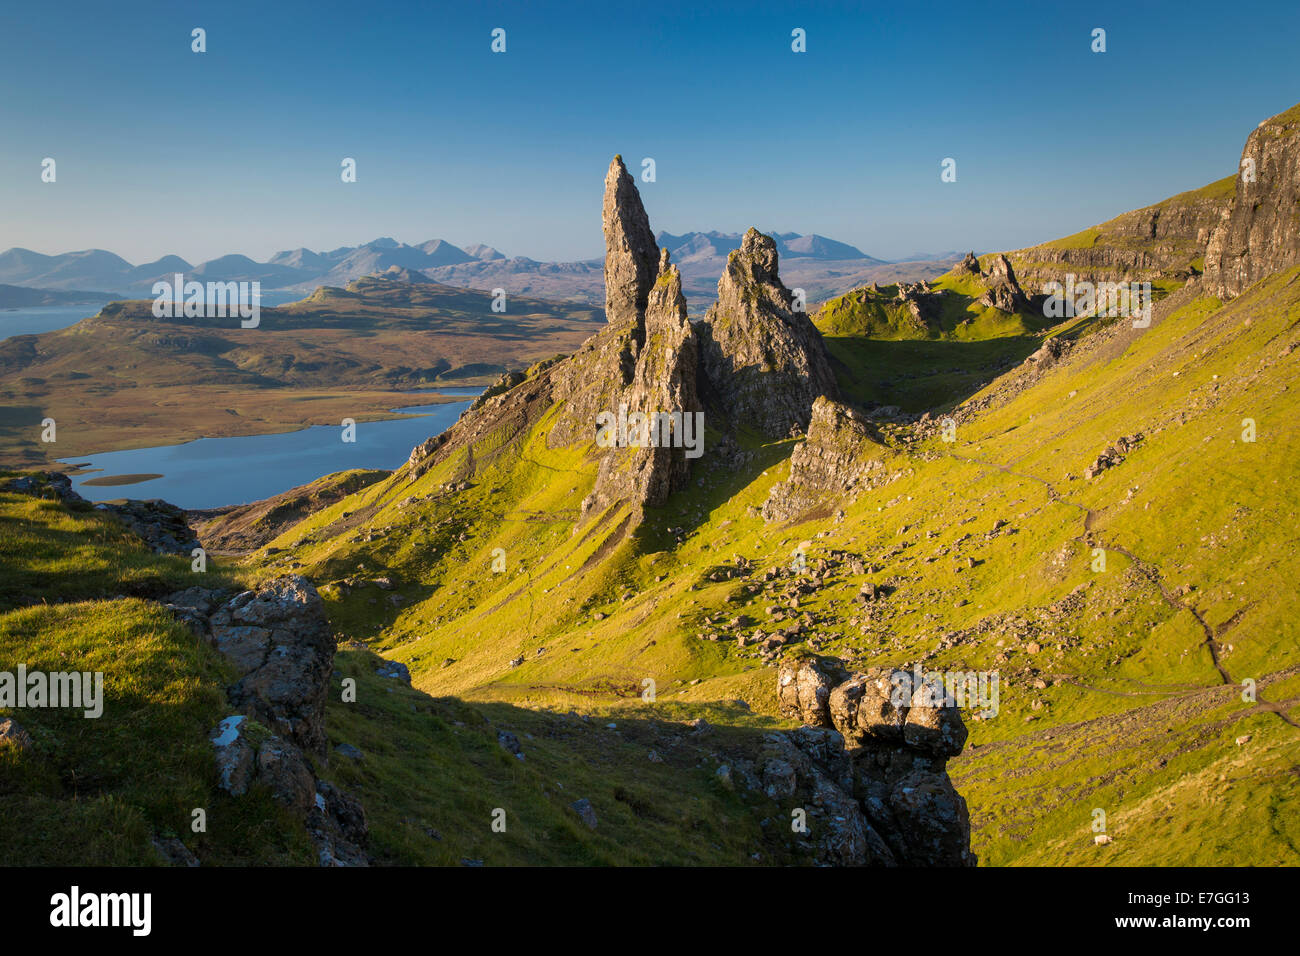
x=821 y=266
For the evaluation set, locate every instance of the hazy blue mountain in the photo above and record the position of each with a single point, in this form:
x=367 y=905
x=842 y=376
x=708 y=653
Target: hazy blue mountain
x=820 y=265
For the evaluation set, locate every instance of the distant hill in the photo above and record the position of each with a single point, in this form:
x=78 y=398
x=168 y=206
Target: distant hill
x=822 y=267
x=21 y=297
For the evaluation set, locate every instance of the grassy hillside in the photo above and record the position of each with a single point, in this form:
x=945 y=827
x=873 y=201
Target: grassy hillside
x=1111 y=695
x=886 y=356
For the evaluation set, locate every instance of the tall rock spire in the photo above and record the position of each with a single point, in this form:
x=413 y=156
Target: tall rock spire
x=631 y=253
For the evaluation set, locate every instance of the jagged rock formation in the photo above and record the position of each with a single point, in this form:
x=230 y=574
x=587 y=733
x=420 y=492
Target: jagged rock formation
x=1002 y=290
x=663 y=381
x=631 y=253
x=838 y=458
x=765 y=362
x=279 y=642
x=1259 y=232
x=881 y=771
x=753 y=360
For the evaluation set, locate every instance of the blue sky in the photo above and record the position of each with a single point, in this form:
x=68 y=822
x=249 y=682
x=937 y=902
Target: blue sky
x=161 y=150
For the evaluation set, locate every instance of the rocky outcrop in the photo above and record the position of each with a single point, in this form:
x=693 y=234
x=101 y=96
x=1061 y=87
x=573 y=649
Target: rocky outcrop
x=278 y=641
x=764 y=361
x=280 y=644
x=663 y=382
x=1113 y=454
x=839 y=458
x=163 y=526
x=1001 y=289
x=882 y=742
x=1259 y=232
x=44 y=484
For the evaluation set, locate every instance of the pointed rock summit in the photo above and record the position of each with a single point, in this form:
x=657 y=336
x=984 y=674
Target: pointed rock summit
x=663 y=389
x=764 y=359
x=631 y=253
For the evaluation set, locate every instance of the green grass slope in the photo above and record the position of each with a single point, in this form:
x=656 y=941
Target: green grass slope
x=1119 y=687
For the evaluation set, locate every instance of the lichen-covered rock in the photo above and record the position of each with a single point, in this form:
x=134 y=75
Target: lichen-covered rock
x=803 y=689
x=865 y=706
x=1259 y=232
x=808 y=770
x=765 y=361
x=280 y=643
x=337 y=826
x=933 y=820
x=278 y=640
x=933 y=722
x=839 y=457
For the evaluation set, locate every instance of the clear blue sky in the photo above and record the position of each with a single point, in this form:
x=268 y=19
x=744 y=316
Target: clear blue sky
x=161 y=150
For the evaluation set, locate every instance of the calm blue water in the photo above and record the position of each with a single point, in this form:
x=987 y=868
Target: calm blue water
x=44 y=318
x=212 y=472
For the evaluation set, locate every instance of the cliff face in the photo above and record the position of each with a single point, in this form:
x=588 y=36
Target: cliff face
x=1163 y=240
x=1259 y=233
x=764 y=361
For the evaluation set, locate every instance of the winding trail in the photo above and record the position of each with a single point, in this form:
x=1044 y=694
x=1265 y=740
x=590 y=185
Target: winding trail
x=1149 y=570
